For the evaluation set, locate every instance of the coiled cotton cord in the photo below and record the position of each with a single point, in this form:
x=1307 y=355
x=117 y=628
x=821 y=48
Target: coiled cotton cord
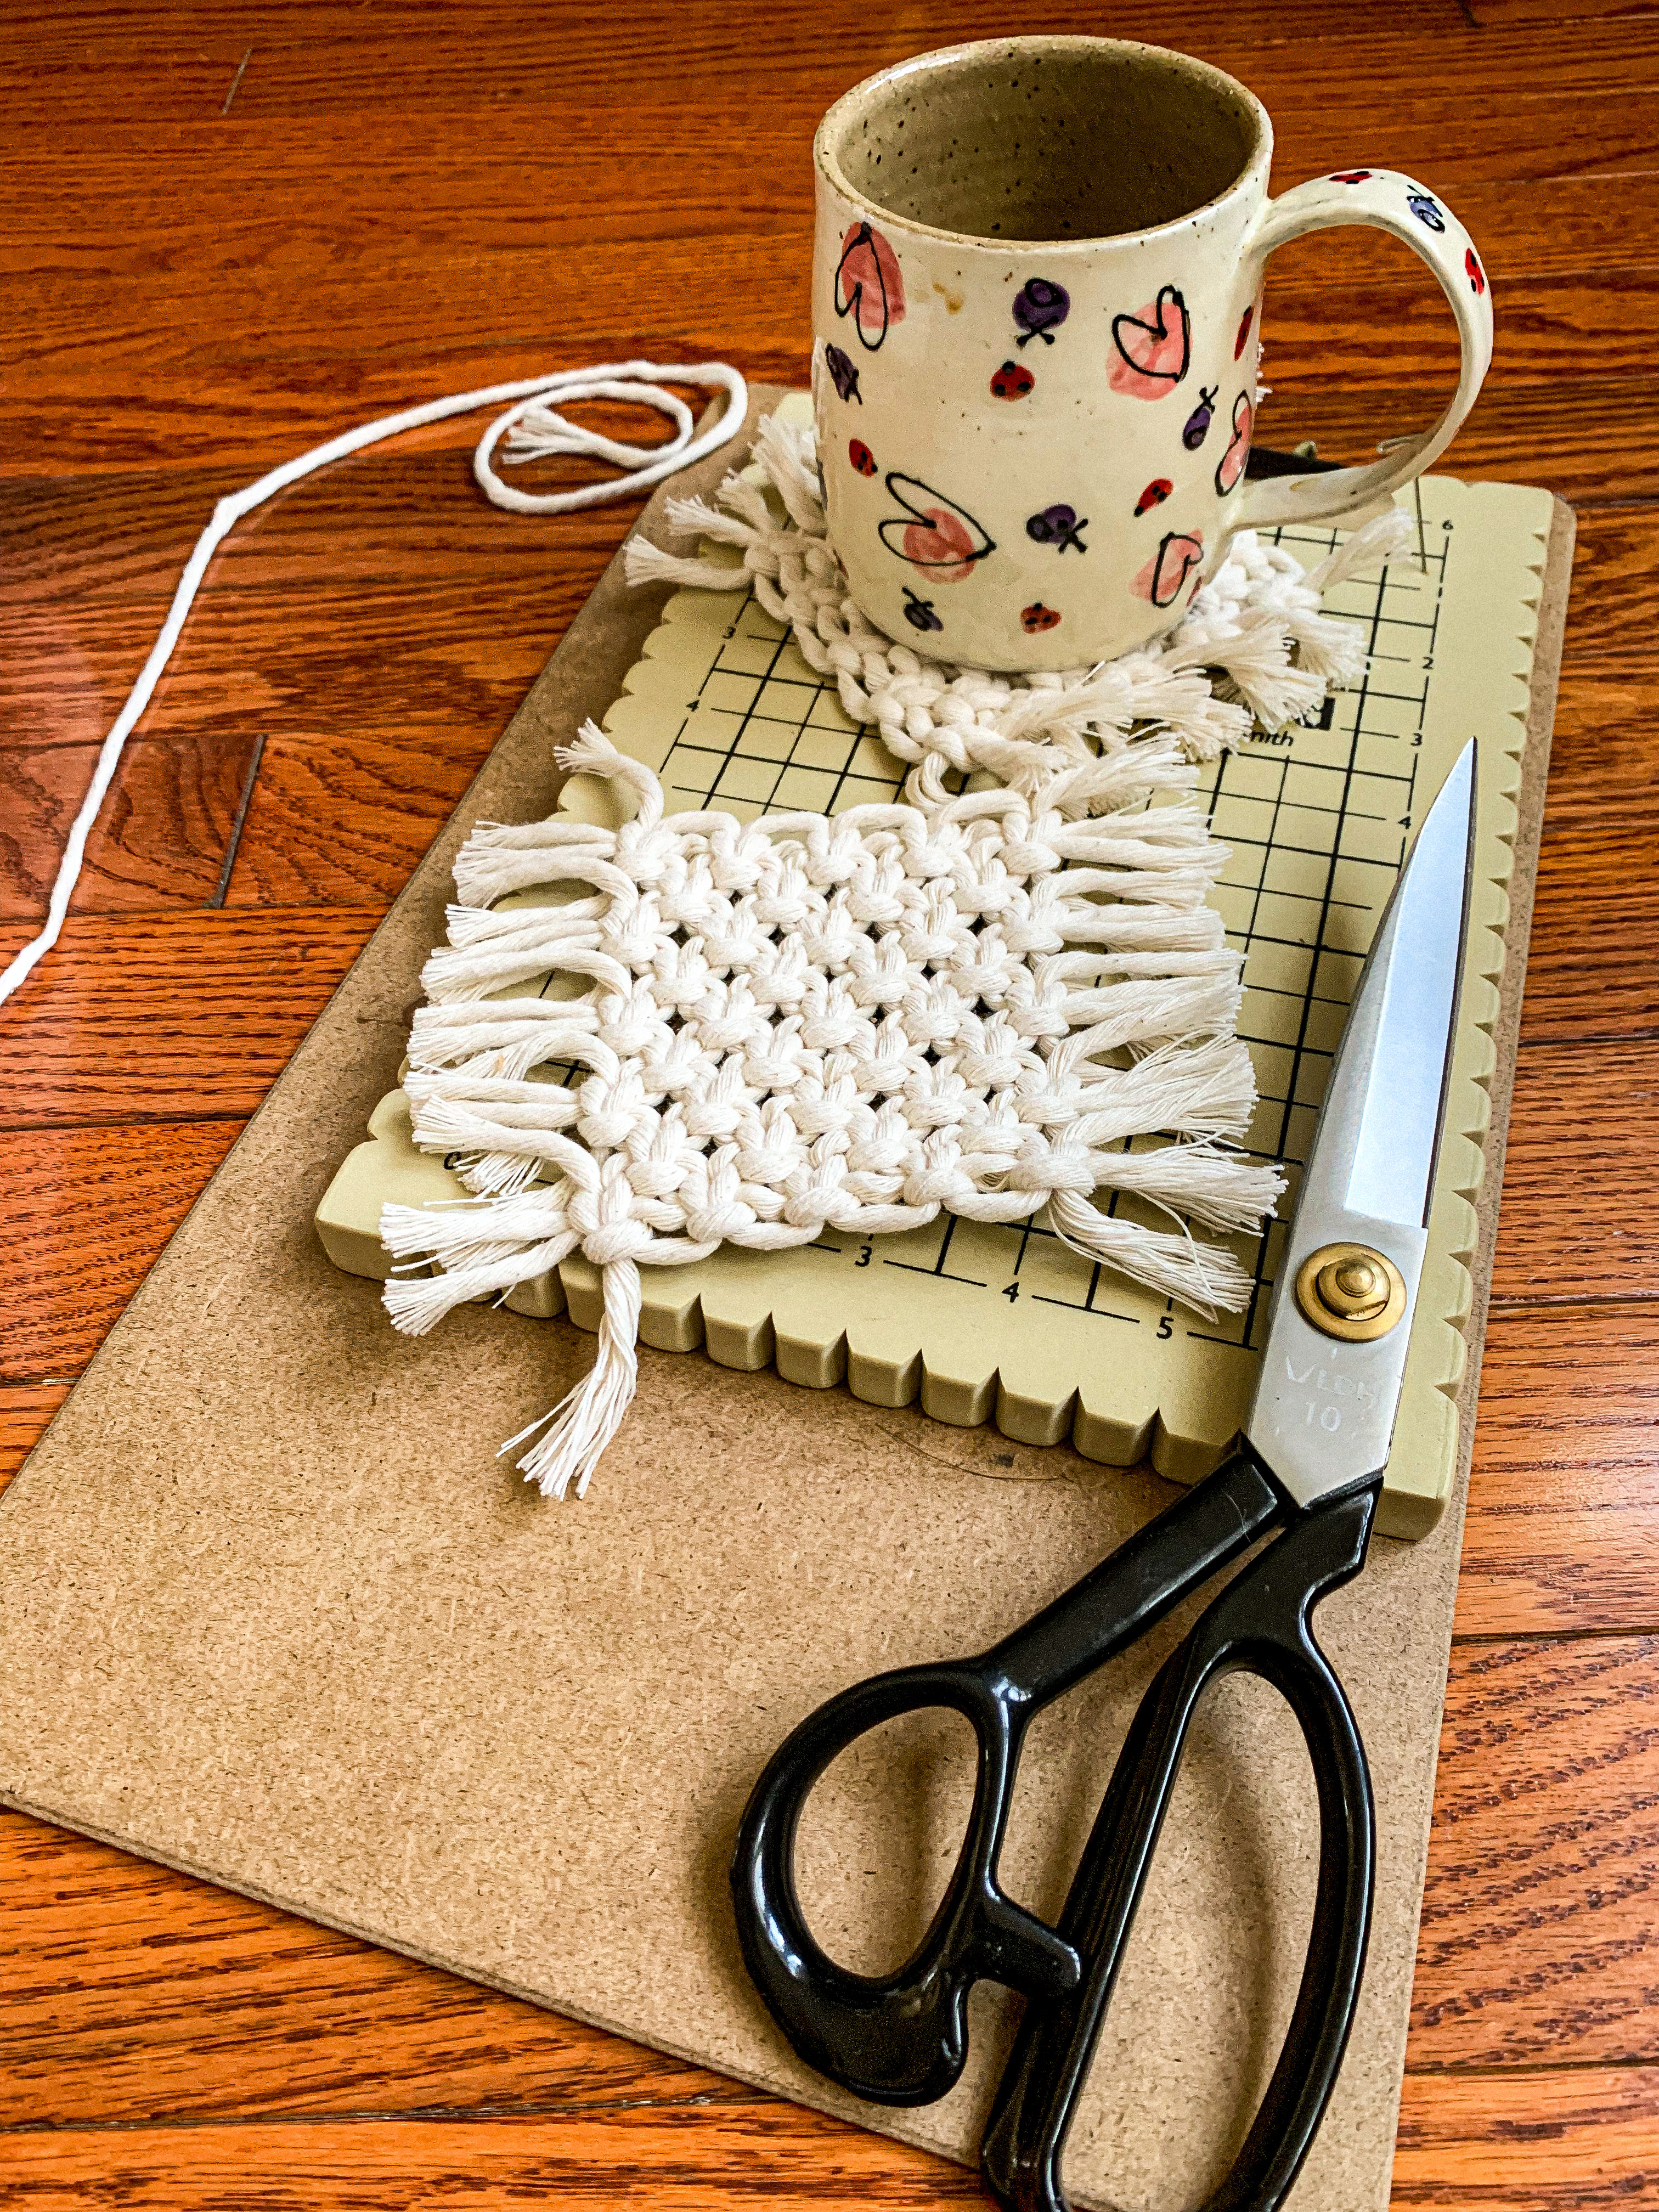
x=533 y=429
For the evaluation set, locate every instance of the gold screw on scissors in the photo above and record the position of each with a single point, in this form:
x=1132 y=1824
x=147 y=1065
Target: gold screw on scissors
x=1351 y=1291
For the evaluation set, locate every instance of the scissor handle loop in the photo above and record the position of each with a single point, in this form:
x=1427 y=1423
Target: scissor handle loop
x=1260 y=1624
x=902 y=2039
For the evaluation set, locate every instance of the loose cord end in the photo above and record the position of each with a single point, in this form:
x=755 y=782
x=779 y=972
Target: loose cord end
x=537 y=428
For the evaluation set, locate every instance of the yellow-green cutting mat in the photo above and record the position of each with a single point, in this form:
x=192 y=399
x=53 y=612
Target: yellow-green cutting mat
x=1008 y=1324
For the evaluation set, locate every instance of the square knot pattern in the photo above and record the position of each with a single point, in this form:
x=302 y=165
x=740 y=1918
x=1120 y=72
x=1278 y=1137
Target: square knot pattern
x=646 y=1042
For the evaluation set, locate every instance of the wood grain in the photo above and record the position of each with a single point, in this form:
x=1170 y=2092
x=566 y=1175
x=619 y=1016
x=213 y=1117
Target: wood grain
x=1462 y=2142
x=689 y=2159
x=106 y=2027
x=1575 y=1223
x=25 y=1410
x=407 y=199
x=170 y=1015
x=1538 y=1942
x=1563 y=1529
x=1544 y=2142
x=136 y=1183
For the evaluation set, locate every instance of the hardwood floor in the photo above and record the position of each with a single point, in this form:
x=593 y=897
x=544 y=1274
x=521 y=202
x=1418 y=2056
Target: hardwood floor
x=233 y=229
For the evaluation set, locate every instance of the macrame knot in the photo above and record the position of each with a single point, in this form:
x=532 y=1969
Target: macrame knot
x=796 y=1026
x=988 y=1000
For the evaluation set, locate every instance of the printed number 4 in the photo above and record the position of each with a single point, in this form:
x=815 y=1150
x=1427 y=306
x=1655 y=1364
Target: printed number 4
x=1012 y=1292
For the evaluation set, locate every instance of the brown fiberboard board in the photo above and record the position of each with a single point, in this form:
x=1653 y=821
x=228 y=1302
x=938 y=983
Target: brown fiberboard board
x=272 y=1612
x=978 y=1320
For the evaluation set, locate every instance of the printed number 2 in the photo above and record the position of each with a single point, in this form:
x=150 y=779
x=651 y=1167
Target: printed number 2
x=1165 y=1327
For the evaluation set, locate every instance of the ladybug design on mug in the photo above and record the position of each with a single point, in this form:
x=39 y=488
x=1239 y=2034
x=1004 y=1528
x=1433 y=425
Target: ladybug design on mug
x=861 y=457
x=1240 y=342
x=1351 y=176
x=1477 y=275
x=1036 y=618
x=1011 y=381
x=1154 y=494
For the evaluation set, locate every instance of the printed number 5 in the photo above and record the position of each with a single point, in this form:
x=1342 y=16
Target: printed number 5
x=1165 y=1327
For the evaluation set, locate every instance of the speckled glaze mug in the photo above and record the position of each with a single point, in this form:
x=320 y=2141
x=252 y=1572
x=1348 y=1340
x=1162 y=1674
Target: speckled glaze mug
x=1036 y=297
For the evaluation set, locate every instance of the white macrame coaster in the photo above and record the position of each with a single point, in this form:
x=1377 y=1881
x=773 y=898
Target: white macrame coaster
x=976 y=1002
x=1253 y=647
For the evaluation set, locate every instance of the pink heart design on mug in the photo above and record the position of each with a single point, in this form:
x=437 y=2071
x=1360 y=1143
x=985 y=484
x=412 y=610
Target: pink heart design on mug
x=1153 y=346
x=939 y=537
x=868 y=285
x=941 y=543
x=1162 y=578
x=1230 y=466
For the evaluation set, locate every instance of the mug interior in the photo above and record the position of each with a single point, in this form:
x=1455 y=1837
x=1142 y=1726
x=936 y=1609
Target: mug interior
x=1052 y=139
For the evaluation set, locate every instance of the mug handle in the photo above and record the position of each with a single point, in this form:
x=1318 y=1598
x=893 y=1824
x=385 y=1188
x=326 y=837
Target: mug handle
x=1387 y=200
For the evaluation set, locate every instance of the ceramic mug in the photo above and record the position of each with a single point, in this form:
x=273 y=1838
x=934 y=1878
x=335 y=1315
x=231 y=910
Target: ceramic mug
x=1036 y=297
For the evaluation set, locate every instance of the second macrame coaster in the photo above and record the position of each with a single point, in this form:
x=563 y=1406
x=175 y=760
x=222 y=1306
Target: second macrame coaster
x=977 y=1001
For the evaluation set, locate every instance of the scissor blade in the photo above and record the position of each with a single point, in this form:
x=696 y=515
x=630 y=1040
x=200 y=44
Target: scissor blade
x=1382 y=1119
x=1325 y=1405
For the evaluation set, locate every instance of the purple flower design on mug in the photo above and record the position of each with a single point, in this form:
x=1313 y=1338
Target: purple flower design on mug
x=919 y=613
x=1040 y=309
x=1198 y=422
x=1426 y=209
x=1057 y=526
x=842 y=375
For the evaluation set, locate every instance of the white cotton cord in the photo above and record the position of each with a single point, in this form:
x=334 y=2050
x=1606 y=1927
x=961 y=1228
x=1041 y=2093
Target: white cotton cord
x=582 y=1423
x=854 y=1023
x=535 y=428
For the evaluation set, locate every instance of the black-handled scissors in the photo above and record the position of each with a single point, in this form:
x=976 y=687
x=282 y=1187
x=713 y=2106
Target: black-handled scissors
x=1309 y=1465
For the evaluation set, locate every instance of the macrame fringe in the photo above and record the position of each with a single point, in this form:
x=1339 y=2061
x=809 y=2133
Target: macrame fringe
x=1253 y=647
x=585 y=1421
x=978 y=1003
